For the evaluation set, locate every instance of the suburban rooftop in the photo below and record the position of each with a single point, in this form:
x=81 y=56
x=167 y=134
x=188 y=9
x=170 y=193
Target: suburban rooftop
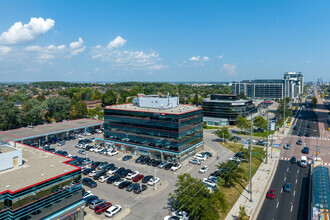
x=38 y=166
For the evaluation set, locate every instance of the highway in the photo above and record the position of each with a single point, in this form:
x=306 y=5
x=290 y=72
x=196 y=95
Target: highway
x=287 y=205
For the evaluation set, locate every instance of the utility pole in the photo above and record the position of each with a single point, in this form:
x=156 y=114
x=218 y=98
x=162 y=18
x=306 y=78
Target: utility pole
x=316 y=147
x=267 y=138
x=284 y=115
x=250 y=161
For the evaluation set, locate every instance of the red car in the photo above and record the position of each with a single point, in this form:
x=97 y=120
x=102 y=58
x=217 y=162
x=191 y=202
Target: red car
x=137 y=178
x=271 y=193
x=102 y=208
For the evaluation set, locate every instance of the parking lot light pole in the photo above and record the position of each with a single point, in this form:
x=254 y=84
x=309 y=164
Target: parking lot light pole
x=250 y=161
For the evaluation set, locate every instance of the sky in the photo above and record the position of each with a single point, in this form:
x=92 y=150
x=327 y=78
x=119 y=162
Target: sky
x=166 y=40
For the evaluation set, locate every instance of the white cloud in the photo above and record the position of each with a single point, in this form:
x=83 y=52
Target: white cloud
x=126 y=60
x=230 y=69
x=4 y=50
x=19 y=33
x=51 y=51
x=116 y=43
x=194 y=58
x=220 y=57
x=206 y=58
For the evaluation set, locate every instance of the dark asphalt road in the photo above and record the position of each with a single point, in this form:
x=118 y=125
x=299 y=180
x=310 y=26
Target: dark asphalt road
x=307 y=116
x=287 y=205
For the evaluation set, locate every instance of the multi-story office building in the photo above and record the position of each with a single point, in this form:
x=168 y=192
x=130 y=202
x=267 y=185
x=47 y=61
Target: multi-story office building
x=291 y=86
x=224 y=109
x=155 y=126
x=38 y=185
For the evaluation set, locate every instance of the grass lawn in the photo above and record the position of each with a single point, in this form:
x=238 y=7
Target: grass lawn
x=233 y=193
x=211 y=127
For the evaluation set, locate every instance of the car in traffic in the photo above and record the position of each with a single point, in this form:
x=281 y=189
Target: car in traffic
x=307 y=134
x=195 y=161
x=99 y=209
x=113 y=210
x=303 y=161
x=271 y=193
x=204 y=169
x=300 y=134
x=175 y=167
x=305 y=150
x=287 y=187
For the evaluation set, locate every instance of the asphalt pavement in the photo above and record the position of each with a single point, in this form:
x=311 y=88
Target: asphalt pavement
x=287 y=205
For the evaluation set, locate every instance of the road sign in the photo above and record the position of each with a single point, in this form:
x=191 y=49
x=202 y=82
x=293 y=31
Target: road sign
x=246 y=144
x=277 y=145
x=272 y=126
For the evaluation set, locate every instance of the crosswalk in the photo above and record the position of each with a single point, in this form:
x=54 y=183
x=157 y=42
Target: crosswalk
x=309 y=161
x=320 y=138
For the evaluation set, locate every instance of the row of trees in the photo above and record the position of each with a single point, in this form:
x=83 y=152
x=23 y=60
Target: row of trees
x=245 y=124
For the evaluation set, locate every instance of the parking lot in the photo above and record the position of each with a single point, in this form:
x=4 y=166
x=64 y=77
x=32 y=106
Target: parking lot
x=151 y=203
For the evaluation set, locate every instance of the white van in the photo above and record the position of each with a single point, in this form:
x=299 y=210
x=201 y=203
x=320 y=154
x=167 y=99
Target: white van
x=303 y=161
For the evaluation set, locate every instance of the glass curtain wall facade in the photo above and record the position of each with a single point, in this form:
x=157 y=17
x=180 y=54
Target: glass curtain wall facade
x=43 y=199
x=172 y=132
x=268 y=89
x=227 y=110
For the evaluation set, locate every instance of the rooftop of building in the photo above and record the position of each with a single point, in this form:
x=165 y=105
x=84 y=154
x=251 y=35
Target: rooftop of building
x=5 y=149
x=226 y=100
x=175 y=111
x=47 y=129
x=39 y=166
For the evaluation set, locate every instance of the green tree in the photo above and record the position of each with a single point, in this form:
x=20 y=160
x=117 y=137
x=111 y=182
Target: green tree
x=97 y=95
x=223 y=132
x=109 y=98
x=195 y=100
x=243 y=123
x=78 y=110
x=231 y=173
x=10 y=116
x=242 y=95
x=58 y=108
x=194 y=197
x=314 y=101
x=260 y=122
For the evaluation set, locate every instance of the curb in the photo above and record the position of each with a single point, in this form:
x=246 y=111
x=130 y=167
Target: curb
x=261 y=201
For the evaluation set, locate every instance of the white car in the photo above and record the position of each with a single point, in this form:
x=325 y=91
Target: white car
x=132 y=175
x=102 y=179
x=82 y=138
x=118 y=181
x=92 y=149
x=153 y=181
x=98 y=150
x=112 y=210
x=87 y=194
x=176 y=167
x=113 y=170
x=200 y=157
x=204 y=169
x=209 y=182
x=181 y=214
x=92 y=173
x=87 y=133
x=112 y=153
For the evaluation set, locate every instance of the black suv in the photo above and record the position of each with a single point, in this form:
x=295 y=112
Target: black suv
x=89 y=182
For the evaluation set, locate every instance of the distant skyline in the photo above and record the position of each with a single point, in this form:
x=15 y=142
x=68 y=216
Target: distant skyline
x=170 y=41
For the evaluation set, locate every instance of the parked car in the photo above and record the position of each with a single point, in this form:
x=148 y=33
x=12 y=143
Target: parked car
x=89 y=182
x=195 y=161
x=271 y=193
x=132 y=186
x=132 y=175
x=93 y=173
x=287 y=146
x=88 y=200
x=127 y=157
x=293 y=159
x=119 y=171
x=175 y=167
x=153 y=181
x=112 y=153
x=204 y=169
x=146 y=179
x=162 y=164
x=137 y=178
x=140 y=188
x=87 y=194
x=168 y=166
x=95 y=203
x=305 y=150
x=113 y=210
x=208 y=154
x=200 y=157
x=87 y=171
x=118 y=181
x=138 y=160
x=112 y=170
x=156 y=163
x=124 y=184
x=299 y=142
x=99 y=209
x=112 y=179
x=82 y=152
x=103 y=178
x=61 y=143
x=307 y=134
x=125 y=173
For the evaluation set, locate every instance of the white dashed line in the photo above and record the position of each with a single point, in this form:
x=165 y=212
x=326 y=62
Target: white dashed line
x=287 y=170
x=277 y=204
x=296 y=180
x=291 y=208
x=284 y=178
x=297 y=171
x=281 y=190
x=294 y=193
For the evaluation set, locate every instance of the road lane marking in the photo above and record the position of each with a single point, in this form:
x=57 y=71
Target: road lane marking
x=287 y=169
x=294 y=193
x=297 y=171
x=296 y=180
x=277 y=204
x=281 y=190
x=291 y=208
x=284 y=178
